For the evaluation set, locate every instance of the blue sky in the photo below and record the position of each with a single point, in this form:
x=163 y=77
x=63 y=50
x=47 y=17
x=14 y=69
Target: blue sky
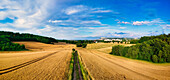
x=86 y=19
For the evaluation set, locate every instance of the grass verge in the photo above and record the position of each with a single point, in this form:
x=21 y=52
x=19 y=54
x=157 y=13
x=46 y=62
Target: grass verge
x=70 y=74
x=85 y=73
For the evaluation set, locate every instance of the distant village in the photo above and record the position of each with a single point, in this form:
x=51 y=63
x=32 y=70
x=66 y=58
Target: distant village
x=114 y=40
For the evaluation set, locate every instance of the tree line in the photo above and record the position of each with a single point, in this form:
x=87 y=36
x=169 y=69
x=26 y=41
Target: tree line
x=77 y=41
x=163 y=37
x=7 y=37
x=7 y=45
x=27 y=37
x=154 y=49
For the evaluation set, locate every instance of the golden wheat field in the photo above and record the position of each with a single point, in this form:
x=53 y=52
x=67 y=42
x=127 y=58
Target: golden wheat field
x=41 y=62
x=51 y=62
x=104 y=47
x=104 y=66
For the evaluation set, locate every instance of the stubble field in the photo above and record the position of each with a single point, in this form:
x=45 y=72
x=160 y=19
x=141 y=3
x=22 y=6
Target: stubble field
x=51 y=62
x=104 y=66
x=43 y=61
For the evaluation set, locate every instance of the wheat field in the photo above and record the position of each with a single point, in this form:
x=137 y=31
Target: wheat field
x=42 y=62
x=104 y=47
x=104 y=66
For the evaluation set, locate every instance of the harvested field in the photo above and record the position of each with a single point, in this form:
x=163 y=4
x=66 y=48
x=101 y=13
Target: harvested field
x=104 y=66
x=51 y=62
x=104 y=47
x=44 y=61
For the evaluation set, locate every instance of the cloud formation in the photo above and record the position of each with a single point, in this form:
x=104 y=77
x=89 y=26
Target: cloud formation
x=75 y=9
x=138 y=23
x=122 y=27
x=123 y=22
x=71 y=19
x=156 y=21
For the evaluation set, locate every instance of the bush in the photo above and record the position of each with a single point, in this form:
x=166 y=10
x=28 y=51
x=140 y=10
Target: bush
x=117 y=50
x=134 y=41
x=79 y=44
x=7 y=45
x=84 y=45
x=155 y=58
x=73 y=49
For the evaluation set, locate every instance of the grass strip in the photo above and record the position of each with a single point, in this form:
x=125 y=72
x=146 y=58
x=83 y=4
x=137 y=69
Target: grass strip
x=85 y=73
x=70 y=74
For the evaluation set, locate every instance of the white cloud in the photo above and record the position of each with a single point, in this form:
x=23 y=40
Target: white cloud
x=157 y=21
x=152 y=22
x=166 y=26
x=2 y=15
x=75 y=9
x=140 y=22
x=20 y=21
x=123 y=22
x=72 y=11
x=55 y=21
x=117 y=20
x=47 y=28
x=29 y=14
x=93 y=22
x=122 y=27
x=102 y=11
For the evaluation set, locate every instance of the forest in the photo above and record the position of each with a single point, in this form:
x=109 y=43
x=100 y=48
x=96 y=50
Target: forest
x=163 y=37
x=27 y=37
x=7 y=45
x=154 y=49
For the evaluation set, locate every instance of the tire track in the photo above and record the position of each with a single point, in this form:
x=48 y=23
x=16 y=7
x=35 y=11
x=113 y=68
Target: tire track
x=13 y=68
x=122 y=66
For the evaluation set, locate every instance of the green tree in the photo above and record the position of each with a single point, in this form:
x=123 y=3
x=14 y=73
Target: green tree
x=160 y=54
x=84 y=45
x=168 y=59
x=155 y=58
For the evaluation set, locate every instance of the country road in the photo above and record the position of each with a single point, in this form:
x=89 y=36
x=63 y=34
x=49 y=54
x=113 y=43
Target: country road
x=104 y=66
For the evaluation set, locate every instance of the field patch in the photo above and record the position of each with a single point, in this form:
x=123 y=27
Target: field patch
x=47 y=62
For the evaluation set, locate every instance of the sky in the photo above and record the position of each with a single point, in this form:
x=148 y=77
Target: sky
x=86 y=19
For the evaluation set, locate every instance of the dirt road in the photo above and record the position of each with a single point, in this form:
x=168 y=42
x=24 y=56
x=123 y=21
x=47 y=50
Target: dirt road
x=43 y=62
x=104 y=66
